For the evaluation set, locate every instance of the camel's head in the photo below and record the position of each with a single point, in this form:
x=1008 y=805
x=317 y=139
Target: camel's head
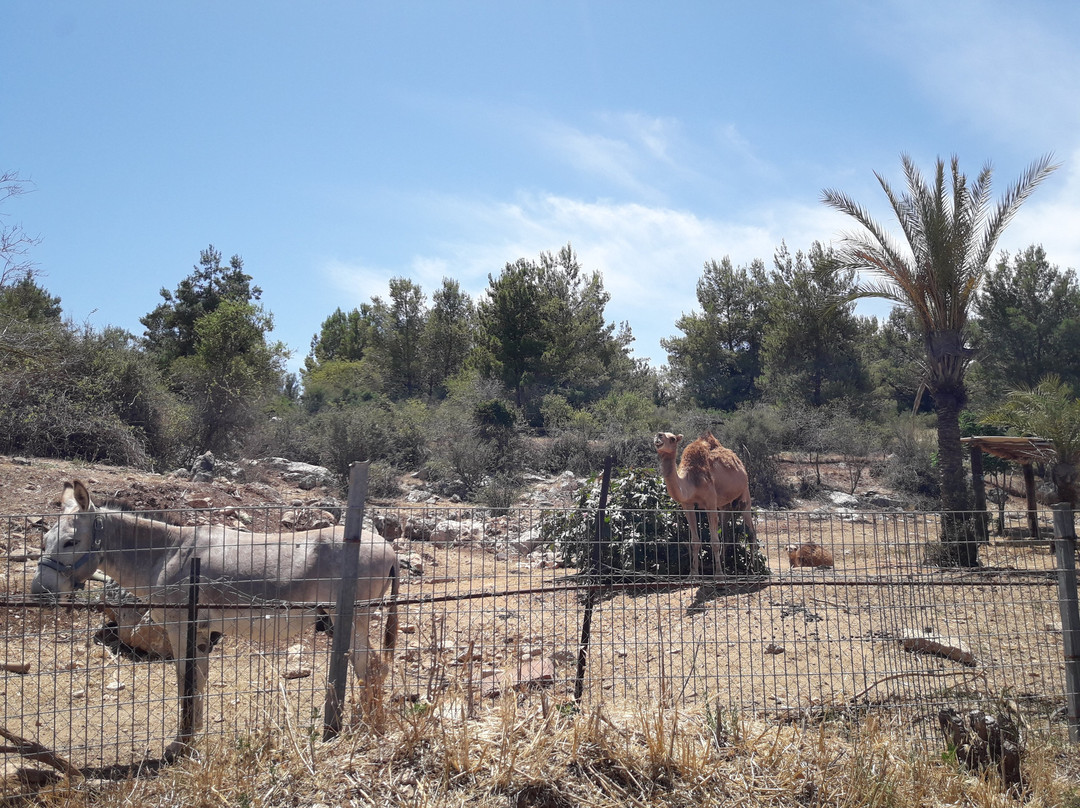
x=666 y=443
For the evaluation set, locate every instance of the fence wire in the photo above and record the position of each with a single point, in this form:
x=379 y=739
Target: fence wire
x=491 y=606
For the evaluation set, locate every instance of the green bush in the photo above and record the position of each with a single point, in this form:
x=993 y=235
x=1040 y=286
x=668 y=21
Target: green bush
x=648 y=533
x=910 y=466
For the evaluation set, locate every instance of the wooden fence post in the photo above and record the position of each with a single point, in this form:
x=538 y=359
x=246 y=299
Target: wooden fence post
x=346 y=602
x=187 y=698
x=596 y=563
x=1065 y=547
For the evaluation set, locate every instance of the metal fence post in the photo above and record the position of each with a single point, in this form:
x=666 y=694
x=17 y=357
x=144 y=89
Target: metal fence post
x=1065 y=546
x=596 y=562
x=187 y=700
x=346 y=602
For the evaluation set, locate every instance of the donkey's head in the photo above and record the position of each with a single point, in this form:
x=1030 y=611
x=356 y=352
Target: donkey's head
x=72 y=548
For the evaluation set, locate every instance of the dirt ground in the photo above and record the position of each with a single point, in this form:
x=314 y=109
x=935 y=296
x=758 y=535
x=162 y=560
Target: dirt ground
x=481 y=623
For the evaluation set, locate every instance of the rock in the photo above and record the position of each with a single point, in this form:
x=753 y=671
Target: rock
x=418 y=529
x=981 y=740
x=388 y=525
x=202 y=470
x=526 y=542
x=14 y=667
x=842 y=499
x=535 y=673
x=883 y=501
x=135 y=629
x=297 y=662
x=304 y=475
x=947 y=647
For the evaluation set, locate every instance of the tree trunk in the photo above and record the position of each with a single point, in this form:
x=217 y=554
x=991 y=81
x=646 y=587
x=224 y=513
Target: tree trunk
x=959 y=530
x=1067 y=481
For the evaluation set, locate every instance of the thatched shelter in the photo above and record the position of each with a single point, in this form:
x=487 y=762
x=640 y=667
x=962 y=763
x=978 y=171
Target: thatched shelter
x=1024 y=451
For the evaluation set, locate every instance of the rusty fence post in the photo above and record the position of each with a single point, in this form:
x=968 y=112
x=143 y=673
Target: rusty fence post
x=1065 y=547
x=596 y=564
x=346 y=601
x=187 y=698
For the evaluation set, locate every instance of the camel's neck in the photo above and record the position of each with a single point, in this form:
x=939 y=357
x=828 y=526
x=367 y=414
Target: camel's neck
x=676 y=483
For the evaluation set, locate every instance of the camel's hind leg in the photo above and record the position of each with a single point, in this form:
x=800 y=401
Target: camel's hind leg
x=748 y=519
x=714 y=542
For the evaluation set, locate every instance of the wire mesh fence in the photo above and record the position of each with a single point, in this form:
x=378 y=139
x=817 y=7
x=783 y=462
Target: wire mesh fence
x=492 y=606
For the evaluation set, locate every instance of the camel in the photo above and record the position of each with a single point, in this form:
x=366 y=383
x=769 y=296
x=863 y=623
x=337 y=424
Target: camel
x=710 y=477
x=809 y=554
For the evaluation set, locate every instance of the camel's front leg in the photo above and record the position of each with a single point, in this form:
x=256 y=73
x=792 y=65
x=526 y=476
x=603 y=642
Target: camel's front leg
x=695 y=542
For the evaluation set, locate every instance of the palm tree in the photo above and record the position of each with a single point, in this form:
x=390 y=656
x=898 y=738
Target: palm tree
x=1048 y=410
x=950 y=236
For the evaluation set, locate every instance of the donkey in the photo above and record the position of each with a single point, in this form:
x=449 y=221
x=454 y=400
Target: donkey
x=239 y=570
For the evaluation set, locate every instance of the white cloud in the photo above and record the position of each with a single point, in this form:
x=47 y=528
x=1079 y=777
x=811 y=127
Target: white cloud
x=1011 y=68
x=650 y=257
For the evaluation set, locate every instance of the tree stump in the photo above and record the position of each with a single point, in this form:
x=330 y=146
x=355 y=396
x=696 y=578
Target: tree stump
x=982 y=740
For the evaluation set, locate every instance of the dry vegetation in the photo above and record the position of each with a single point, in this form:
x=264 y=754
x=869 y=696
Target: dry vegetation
x=544 y=756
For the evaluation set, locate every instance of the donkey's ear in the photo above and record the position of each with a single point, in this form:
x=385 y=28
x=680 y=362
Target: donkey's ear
x=82 y=496
x=67 y=499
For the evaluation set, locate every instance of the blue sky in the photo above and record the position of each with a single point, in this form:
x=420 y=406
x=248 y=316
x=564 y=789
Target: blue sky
x=336 y=145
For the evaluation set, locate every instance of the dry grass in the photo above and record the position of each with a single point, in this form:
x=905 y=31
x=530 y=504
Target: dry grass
x=541 y=754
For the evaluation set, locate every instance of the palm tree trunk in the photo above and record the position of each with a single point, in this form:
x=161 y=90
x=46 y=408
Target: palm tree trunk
x=959 y=534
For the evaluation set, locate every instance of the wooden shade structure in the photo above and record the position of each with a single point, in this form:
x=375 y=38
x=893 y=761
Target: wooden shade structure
x=1024 y=451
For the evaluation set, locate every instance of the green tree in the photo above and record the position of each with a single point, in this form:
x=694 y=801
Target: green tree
x=449 y=335
x=717 y=361
x=809 y=353
x=950 y=235
x=231 y=374
x=342 y=337
x=25 y=300
x=399 y=336
x=893 y=354
x=210 y=341
x=1028 y=321
x=170 y=328
x=542 y=330
x=1048 y=410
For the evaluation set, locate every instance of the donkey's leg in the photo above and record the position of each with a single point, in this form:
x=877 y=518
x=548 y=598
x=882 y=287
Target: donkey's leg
x=191 y=719
x=364 y=659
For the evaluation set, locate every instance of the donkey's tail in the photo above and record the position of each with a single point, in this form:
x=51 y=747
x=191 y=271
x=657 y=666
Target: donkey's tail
x=391 y=624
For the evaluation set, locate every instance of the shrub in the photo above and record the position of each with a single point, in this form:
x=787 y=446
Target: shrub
x=648 y=534
x=757 y=434
x=910 y=466
x=499 y=493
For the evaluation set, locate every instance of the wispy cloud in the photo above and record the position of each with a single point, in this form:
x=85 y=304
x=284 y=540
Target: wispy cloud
x=1004 y=65
x=650 y=257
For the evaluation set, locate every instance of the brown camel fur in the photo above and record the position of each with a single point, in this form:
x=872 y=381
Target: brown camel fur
x=809 y=554
x=709 y=477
